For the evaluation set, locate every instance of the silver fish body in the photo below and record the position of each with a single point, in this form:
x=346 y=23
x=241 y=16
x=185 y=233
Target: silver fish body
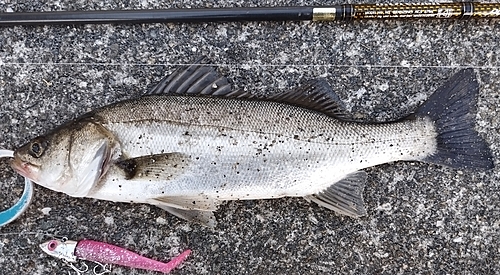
x=242 y=154
x=186 y=151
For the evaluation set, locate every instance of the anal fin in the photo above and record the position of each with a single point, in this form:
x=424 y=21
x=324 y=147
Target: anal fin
x=345 y=196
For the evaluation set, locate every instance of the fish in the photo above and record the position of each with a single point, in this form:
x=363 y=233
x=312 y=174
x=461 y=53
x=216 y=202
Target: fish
x=105 y=253
x=192 y=142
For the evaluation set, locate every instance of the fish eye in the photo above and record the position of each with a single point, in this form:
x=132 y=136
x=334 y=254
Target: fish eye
x=52 y=245
x=37 y=148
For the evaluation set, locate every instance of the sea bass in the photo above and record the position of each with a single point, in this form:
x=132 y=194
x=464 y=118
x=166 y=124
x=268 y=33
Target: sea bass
x=192 y=142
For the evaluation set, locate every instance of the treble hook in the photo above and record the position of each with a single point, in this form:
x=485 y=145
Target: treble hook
x=104 y=268
x=78 y=271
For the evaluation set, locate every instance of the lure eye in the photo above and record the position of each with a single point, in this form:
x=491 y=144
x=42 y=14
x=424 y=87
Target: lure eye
x=52 y=245
x=37 y=147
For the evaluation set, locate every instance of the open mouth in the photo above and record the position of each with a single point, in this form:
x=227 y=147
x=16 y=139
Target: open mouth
x=23 y=168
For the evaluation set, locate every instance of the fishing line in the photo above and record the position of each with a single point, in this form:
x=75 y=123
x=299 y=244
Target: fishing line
x=20 y=233
x=249 y=65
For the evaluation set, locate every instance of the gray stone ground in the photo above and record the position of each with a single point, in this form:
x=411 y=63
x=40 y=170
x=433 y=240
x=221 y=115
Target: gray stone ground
x=422 y=219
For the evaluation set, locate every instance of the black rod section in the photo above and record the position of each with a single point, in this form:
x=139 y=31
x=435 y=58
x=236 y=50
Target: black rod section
x=157 y=16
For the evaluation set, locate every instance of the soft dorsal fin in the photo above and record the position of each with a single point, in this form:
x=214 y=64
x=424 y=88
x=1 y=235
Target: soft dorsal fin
x=194 y=79
x=316 y=95
x=200 y=78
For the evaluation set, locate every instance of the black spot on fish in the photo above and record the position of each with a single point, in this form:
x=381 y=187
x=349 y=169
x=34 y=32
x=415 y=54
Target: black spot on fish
x=129 y=167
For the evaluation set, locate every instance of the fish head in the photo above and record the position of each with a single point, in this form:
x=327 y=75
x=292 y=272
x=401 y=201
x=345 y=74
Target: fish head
x=71 y=159
x=60 y=249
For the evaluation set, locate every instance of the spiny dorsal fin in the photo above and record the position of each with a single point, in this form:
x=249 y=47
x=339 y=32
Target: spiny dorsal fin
x=193 y=79
x=344 y=197
x=201 y=79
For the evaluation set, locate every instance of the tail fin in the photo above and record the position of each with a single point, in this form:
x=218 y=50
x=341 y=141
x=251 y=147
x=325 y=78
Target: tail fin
x=452 y=108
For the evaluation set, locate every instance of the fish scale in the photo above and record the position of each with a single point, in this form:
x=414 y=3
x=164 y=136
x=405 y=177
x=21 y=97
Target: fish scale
x=192 y=142
x=235 y=153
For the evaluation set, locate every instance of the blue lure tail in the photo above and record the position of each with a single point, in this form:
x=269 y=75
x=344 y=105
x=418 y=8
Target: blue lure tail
x=20 y=206
x=452 y=108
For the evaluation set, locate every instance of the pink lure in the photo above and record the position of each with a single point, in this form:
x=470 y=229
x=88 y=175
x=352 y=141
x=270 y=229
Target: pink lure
x=107 y=254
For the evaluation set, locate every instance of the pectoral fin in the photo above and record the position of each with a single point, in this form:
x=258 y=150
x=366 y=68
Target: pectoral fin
x=344 y=197
x=162 y=166
x=188 y=203
x=166 y=167
x=197 y=209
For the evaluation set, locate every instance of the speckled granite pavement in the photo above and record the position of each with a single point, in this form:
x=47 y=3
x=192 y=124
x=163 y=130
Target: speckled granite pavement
x=422 y=219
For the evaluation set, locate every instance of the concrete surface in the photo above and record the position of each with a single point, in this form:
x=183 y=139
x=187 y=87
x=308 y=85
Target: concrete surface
x=422 y=219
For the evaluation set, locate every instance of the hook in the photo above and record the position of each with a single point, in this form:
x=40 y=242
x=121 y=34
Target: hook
x=78 y=271
x=104 y=268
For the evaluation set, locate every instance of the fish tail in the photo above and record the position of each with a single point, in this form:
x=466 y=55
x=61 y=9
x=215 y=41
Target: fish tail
x=452 y=108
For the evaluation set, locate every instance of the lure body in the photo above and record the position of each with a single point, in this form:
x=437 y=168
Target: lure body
x=107 y=254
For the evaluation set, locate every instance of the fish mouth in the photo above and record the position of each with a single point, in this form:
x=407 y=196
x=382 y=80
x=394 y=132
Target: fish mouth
x=23 y=168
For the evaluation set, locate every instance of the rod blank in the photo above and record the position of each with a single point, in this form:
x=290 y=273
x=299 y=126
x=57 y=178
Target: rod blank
x=157 y=16
x=461 y=10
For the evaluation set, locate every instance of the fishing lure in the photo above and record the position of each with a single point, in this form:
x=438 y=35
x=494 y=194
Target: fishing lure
x=105 y=253
x=22 y=204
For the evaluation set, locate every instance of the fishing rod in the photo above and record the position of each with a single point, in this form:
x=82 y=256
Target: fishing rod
x=457 y=10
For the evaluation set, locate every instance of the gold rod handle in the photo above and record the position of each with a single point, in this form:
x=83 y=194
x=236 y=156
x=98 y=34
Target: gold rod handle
x=458 y=10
